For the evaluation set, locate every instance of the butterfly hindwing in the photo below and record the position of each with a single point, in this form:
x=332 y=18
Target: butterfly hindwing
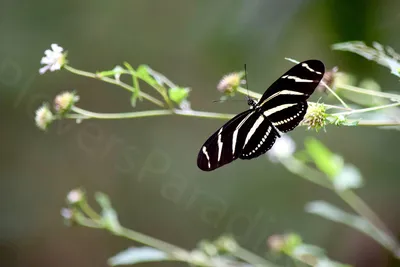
x=260 y=138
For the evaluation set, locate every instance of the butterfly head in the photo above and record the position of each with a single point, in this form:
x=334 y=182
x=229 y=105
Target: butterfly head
x=251 y=102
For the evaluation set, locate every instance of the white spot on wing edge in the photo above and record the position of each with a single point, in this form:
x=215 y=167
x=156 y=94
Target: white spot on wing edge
x=204 y=149
x=298 y=79
x=219 y=145
x=283 y=92
x=234 y=140
x=253 y=129
x=305 y=65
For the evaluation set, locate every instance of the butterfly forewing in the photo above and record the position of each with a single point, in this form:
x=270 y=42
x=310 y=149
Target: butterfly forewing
x=285 y=101
x=301 y=81
x=223 y=146
x=253 y=132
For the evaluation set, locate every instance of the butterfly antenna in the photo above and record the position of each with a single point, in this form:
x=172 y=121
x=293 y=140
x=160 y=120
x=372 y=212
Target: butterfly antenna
x=250 y=101
x=247 y=81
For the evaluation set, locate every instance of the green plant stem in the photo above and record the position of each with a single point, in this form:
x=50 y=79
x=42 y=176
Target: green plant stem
x=368 y=92
x=82 y=220
x=150 y=241
x=84 y=114
x=378 y=123
x=252 y=258
x=335 y=95
x=366 y=109
x=176 y=253
x=113 y=81
x=91 y=213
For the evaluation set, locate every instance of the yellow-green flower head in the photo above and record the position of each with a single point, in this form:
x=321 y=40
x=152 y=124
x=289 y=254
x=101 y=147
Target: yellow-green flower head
x=316 y=116
x=230 y=82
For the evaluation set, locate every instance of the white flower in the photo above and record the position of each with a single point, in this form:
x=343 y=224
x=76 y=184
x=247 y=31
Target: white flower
x=43 y=117
x=284 y=147
x=54 y=59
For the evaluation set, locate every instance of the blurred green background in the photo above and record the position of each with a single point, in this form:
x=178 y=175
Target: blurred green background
x=148 y=166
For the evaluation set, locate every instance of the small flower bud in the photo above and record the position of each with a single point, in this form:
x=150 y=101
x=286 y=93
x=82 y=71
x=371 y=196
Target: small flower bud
x=230 y=82
x=226 y=243
x=64 y=101
x=198 y=257
x=315 y=117
x=276 y=243
x=328 y=79
x=75 y=196
x=66 y=213
x=209 y=248
x=68 y=216
x=43 y=117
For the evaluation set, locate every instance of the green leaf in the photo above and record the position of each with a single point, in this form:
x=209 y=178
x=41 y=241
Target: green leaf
x=143 y=74
x=324 y=159
x=349 y=178
x=138 y=255
x=109 y=215
x=178 y=94
x=340 y=120
x=136 y=92
x=292 y=241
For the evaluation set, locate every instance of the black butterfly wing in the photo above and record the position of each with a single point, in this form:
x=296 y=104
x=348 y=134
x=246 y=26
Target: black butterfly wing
x=226 y=144
x=260 y=137
x=285 y=101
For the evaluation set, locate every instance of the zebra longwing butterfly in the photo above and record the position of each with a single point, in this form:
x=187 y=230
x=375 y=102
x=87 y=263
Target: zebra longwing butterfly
x=253 y=132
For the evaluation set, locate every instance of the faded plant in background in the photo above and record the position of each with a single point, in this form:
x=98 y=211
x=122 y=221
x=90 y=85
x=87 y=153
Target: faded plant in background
x=361 y=104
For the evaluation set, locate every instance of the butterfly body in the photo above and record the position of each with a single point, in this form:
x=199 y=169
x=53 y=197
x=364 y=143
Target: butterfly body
x=253 y=132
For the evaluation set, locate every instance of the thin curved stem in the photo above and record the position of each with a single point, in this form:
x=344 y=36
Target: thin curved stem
x=113 y=81
x=334 y=94
x=127 y=115
x=378 y=123
x=85 y=114
x=367 y=92
x=252 y=258
x=354 y=111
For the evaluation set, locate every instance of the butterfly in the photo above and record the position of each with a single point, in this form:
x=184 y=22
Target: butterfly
x=254 y=131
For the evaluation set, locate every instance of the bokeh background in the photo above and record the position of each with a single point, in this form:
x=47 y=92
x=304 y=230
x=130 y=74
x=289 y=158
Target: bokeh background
x=140 y=162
